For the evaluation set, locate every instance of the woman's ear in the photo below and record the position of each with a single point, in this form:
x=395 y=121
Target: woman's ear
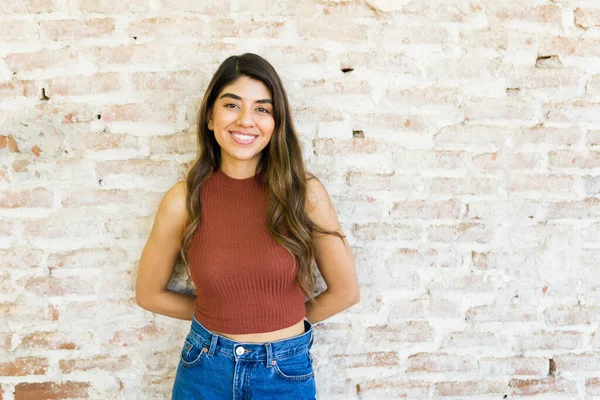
x=210 y=119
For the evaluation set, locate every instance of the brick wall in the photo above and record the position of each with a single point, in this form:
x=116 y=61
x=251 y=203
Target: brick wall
x=459 y=141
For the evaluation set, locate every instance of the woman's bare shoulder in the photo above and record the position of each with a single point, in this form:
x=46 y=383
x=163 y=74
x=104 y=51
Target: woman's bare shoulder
x=174 y=201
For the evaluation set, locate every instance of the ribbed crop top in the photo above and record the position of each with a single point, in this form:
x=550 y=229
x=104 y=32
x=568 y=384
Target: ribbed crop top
x=245 y=281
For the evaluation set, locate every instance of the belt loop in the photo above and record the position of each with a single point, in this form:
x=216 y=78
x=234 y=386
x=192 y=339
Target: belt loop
x=269 y=354
x=213 y=344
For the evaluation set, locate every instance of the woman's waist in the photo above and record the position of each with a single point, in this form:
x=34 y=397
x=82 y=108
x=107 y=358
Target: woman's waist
x=263 y=337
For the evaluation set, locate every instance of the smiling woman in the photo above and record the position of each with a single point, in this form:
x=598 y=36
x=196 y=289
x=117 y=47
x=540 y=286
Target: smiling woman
x=249 y=224
x=242 y=122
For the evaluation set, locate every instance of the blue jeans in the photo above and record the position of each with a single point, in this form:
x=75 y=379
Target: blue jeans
x=213 y=367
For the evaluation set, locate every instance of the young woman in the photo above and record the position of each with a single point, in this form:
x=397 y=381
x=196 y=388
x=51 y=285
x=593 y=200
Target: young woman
x=249 y=223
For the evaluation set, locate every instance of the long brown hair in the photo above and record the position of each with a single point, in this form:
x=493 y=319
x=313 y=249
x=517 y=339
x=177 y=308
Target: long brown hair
x=280 y=165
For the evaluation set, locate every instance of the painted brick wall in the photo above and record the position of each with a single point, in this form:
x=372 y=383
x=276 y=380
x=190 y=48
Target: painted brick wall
x=459 y=140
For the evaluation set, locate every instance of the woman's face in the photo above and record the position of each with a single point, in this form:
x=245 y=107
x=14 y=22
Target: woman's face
x=242 y=120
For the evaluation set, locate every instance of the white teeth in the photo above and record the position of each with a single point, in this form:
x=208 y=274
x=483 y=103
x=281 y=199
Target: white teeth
x=243 y=137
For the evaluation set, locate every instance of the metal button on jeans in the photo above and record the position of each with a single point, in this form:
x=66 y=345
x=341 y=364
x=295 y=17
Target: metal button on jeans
x=239 y=351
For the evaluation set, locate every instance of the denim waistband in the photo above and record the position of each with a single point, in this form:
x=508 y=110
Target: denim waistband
x=268 y=351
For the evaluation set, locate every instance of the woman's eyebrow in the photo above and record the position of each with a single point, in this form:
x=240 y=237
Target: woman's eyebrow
x=236 y=97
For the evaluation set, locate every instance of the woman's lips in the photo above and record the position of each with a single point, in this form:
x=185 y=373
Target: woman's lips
x=242 y=141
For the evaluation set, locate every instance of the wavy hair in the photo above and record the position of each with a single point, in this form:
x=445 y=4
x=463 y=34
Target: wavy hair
x=280 y=166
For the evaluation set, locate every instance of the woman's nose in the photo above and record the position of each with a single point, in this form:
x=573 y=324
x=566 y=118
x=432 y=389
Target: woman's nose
x=245 y=117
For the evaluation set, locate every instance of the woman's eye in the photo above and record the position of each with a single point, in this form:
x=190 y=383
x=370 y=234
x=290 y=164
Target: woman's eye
x=263 y=110
x=230 y=105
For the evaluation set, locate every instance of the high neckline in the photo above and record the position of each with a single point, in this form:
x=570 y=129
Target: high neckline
x=231 y=181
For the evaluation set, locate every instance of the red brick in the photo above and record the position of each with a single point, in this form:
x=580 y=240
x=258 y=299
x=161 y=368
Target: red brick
x=572 y=315
x=416 y=97
x=48 y=286
x=135 y=112
x=549 y=184
x=385 y=232
x=11 y=143
x=209 y=8
x=399 y=309
x=61 y=170
x=162 y=27
x=403 y=185
x=573 y=159
x=68 y=223
x=551 y=385
x=537 y=78
x=464 y=232
x=476 y=135
x=6 y=228
x=549 y=14
x=469 y=340
x=89 y=257
x=397 y=36
x=143 y=168
x=500 y=209
x=391 y=387
x=422 y=209
x=83 y=85
x=440 y=362
x=332 y=28
x=168 y=81
x=505 y=108
x=51 y=390
x=547 y=136
x=463 y=186
x=548 y=340
x=17 y=30
x=65 y=58
x=576 y=47
x=586 y=208
x=470 y=11
x=592 y=387
x=28 y=6
x=513 y=366
x=135 y=336
x=411 y=331
x=264 y=29
x=104 y=363
x=24 y=366
x=471 y=388
x=112 y=7
x=35 y=198
x=68 y=29
x=104 y=141
x=60 y=340
x=428 y=159
x=5 y=341
x=500 y=39
x=99 y=197
x=432 y=257
x=131 y=53
x=373 y=359
x=577 y=363
x=510 y=313
x=444 y=308
x=358 y=205
x=587 y=17
x=24 y=313
x=179 y=143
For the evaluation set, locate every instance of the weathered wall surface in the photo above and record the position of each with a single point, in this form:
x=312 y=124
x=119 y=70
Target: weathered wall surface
x=459 y=141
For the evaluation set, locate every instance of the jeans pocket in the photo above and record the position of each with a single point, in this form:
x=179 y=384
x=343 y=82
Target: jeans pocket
x=297 y=367
x=191 y=354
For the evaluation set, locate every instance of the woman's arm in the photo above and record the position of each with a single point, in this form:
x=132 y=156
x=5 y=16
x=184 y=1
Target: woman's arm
x=334 y=258
x=159 y=256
